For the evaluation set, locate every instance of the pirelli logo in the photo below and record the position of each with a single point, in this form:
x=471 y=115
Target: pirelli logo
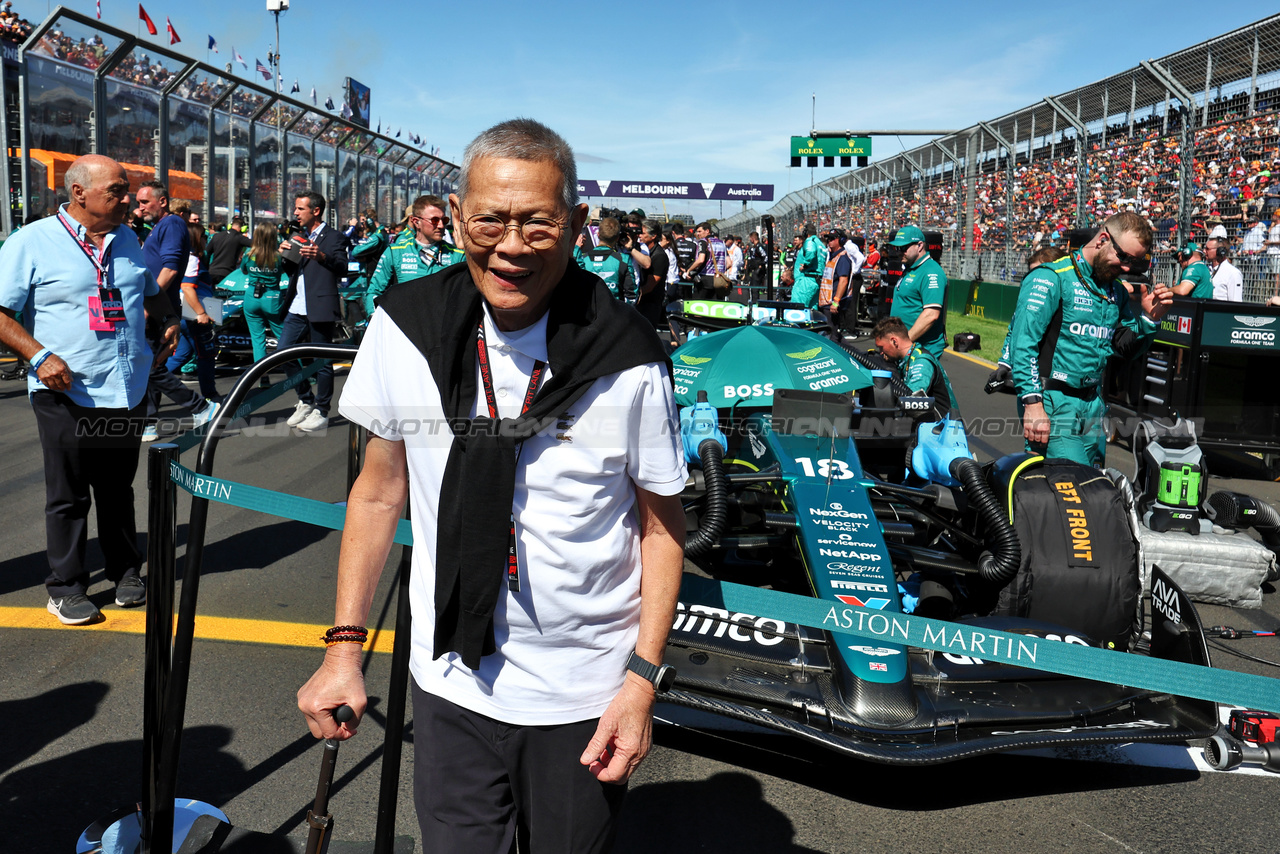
x=1079 y=540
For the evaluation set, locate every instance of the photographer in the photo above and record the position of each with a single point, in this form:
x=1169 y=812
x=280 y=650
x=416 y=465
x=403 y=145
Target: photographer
x=653 y=281
x=630 y=245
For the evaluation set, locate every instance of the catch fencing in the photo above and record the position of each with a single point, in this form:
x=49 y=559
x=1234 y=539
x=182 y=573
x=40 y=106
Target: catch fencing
x=224 y=143
x=1004 y=186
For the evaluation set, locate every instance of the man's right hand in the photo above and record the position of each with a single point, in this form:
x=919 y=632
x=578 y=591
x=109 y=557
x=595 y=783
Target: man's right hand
x=339 y=681
x=1035 y=424
x=54 y=373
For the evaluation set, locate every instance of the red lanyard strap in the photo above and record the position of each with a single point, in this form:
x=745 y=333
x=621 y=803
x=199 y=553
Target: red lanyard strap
x=486 y=376
x=99 y=266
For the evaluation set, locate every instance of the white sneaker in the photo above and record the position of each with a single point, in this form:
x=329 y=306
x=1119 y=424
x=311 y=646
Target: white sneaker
x=316 y=422
x=150 y=433
x=300 y=413
x=206 y=414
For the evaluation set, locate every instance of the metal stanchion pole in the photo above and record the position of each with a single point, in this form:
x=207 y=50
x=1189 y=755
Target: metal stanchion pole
x=768 y=270
x=162 y=518
x=389 y=787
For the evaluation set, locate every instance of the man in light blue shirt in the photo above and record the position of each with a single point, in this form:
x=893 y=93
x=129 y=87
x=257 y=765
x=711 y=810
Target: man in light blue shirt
x=84 y=292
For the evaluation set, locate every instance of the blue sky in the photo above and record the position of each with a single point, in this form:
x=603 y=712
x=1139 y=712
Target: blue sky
x=687 y=91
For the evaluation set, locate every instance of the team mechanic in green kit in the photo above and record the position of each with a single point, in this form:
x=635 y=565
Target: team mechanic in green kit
x=810 y=260
x=921 y=293
x=921 y=370
x=1072 y=315
x=419 y=251
x=1196 y=279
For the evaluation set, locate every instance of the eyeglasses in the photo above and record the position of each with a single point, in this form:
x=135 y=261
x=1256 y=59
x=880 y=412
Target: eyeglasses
x=487 y=230
x=434 y=220
x=1135 y=263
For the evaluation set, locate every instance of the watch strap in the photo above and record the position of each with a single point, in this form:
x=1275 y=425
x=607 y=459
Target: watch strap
x=646 y=670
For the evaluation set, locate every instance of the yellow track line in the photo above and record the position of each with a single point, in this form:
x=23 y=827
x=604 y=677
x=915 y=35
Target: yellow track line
x=975 y=359
x=207 y=628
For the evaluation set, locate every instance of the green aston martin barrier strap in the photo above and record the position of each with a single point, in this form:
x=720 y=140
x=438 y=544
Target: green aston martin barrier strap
x=191 y=438
x=1136 y=671
x=1121 y=668
x=319 y=513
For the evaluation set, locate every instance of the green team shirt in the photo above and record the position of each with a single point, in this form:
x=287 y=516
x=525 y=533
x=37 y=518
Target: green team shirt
x=1198 y=272
x=922 y=371
x=406 y=260
x=923 y=286
x=614 y=270
x=1090 y=315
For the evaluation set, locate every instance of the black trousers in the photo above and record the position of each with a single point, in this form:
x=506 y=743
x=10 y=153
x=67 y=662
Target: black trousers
x=481 y=785
x=163 y=381
x=90 y=457
x=299 y=330
x=706 y=289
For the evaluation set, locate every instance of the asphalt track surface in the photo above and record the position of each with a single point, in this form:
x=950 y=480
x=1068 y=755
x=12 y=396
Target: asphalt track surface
x=72 y=701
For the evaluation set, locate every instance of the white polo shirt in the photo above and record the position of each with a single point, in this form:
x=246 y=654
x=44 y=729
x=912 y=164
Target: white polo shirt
x=1228 y=282
x=564 y=639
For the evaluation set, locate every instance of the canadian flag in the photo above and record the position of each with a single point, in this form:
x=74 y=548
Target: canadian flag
x=145 y=18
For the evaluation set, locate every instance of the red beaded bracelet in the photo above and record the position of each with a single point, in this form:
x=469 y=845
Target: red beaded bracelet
x=346 y=634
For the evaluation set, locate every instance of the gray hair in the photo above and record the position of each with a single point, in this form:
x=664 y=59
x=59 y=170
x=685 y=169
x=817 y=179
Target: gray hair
x=80 y=172
x=523 y=139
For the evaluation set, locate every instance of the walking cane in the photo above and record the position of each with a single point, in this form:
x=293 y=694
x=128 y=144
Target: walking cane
x=318 y=816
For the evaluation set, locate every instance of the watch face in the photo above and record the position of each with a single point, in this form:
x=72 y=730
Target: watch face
x=666 y=679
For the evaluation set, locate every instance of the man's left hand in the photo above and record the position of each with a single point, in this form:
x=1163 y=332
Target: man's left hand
x=624 y=734
x=168 y=342
x=1156 y=301
x=310 y=250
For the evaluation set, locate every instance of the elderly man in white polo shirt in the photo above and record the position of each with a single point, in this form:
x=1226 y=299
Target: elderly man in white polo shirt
x=534 y=416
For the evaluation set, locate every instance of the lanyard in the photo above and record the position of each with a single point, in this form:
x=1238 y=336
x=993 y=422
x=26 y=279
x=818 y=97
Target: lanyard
x=1089 y=283
x=486 y=377
x=99 y=266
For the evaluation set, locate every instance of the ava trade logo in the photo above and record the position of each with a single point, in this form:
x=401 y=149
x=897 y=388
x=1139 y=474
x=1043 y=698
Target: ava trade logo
x=805 y=355
x=695 y=360
x=877 y=603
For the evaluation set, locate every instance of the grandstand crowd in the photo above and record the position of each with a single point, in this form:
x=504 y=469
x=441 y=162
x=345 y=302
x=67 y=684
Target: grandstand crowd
x=1235 y=190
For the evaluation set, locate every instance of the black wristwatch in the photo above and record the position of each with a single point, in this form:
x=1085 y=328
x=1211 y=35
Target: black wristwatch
x=662 y=676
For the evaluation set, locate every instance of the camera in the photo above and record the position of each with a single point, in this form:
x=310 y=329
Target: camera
x=289 y=228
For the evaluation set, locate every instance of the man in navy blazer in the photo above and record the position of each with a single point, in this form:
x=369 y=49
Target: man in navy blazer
x=314 y=305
